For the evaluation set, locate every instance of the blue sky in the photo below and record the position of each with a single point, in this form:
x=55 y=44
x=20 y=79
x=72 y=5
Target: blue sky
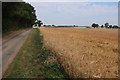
x=77 y=13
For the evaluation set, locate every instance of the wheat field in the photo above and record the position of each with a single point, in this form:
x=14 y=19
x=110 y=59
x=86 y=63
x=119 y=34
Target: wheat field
x=84 y=52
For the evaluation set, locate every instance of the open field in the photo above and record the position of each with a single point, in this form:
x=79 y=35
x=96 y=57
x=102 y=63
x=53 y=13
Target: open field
x=84 y=52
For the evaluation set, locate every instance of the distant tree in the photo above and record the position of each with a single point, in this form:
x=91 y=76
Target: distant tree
x=115 y=26
x=110 y=26
x=39 y=23
x=53 y=25
x=74 y=25
x=106 y=25
x=45 y=25
x=95 y=25
x=102 y=26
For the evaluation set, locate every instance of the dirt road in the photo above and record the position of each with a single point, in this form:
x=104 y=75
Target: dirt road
x=11 y=46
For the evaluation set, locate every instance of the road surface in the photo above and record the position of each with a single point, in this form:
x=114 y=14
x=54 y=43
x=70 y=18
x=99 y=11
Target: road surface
x=11 y=46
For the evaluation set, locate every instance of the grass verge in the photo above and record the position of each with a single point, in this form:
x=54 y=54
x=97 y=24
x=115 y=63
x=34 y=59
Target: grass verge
x=34 y=61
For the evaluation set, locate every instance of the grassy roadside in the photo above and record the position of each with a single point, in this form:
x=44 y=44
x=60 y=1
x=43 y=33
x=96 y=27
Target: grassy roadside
x=34 y=61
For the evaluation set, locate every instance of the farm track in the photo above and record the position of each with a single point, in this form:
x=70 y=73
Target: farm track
x=11 y=46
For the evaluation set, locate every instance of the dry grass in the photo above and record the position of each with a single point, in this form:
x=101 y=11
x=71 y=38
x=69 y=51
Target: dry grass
x=84 y=52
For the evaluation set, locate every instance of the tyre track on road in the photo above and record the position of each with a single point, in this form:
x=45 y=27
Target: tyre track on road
x=11 y=47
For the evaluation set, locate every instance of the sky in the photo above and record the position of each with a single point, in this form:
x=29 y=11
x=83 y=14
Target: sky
x=76 y=13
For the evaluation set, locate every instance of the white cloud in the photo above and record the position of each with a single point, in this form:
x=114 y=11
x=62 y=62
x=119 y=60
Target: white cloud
x=71 y=0
x=76 y=13
x=85 y=9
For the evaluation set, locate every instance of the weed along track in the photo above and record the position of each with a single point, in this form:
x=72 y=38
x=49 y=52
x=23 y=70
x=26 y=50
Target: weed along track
x=34 y=61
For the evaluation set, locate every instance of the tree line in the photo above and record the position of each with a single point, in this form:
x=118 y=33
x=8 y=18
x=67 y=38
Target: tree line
x=60 y=25
x=106 y=25
x=16 y=15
